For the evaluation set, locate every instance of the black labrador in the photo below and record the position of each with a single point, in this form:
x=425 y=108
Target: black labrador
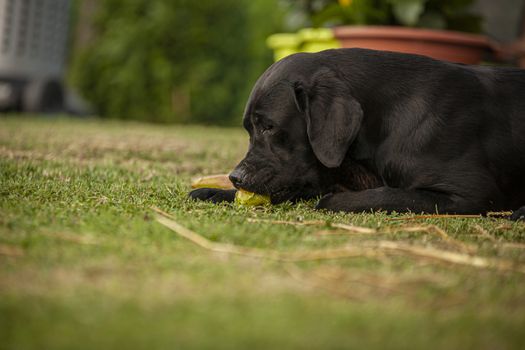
x=375 y=130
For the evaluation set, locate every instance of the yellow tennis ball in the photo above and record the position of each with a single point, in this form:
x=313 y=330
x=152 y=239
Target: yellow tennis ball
x=251 y=199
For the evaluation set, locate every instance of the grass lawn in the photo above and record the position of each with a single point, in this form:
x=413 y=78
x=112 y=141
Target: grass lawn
x=84 y=263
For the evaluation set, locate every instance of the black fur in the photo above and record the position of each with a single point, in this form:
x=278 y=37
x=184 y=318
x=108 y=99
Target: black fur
x=374 y=130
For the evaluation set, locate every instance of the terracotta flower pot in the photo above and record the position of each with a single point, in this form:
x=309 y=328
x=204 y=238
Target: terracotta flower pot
x=441 y=44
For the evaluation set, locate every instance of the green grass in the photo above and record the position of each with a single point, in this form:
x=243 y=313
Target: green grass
x=83 y=263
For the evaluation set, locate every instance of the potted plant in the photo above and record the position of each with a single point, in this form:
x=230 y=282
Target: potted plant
x=443 y=29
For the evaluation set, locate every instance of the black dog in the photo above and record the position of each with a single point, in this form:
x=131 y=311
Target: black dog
x=373 y=130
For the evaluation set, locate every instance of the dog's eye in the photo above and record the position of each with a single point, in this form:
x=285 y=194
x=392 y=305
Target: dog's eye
x=266 y=128
x=262 y=123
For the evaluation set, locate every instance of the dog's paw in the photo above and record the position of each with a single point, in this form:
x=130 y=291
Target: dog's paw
x=518 y=215
x=213 y=195
x=325 y=202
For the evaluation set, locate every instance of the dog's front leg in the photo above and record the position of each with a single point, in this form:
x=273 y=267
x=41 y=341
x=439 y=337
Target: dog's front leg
x=213 y=195
x=395 y=199
x=518 y=215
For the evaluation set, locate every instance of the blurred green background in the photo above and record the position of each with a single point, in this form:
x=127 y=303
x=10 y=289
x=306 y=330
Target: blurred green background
x=186 y=61
x=174 y=60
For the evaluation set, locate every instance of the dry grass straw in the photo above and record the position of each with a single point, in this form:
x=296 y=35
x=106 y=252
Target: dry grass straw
x=493 y=214
x=484 y=233
x=436 y=216
x=69 y=237
x=371 y=249
x=351 y=229
x=346 y=227
x=499 y=214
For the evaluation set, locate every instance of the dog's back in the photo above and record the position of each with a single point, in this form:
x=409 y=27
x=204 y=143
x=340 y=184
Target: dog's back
x=449 y=127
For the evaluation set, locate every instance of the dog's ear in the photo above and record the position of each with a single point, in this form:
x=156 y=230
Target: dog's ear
x=333 y=118
x=300 y=97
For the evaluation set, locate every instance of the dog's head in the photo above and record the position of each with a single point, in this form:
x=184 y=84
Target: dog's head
x=301 y=119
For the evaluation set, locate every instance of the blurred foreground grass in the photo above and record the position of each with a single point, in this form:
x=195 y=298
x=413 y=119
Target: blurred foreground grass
x=83 y=263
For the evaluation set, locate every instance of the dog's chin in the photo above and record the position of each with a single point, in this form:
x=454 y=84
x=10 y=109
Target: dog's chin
x=281 y=196
x=277 y=196
x=293 y=195
x=280 y=193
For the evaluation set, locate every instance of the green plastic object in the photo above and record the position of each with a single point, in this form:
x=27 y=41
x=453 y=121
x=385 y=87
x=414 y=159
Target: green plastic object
x=316 y=34
x=305 y=40
x=318 y=39
x=283 y=44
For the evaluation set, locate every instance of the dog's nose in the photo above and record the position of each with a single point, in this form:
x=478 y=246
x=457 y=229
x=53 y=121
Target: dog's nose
x=236 y=177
